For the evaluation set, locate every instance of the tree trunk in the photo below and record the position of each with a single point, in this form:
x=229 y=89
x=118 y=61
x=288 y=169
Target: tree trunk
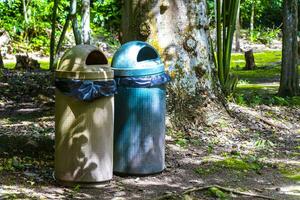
x=25 y=13
x=52 y=40
x=1 y=61
x=252 y=19
x=179 y=31
x=85 y=23
x=24 y=62
x=250 y=62
x=75 y=28
x=238 y=33
x=289 y=83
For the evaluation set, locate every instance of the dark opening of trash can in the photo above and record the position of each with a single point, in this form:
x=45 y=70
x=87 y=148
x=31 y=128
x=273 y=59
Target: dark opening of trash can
x=96 y=58
x=147 y=53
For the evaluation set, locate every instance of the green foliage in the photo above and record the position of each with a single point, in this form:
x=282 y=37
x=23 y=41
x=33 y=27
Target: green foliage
x=106 y=14
x=264 y=144
x=11 y=164
x=259 y=97
x=265 y=35
x=267 y=13
x=106 y=18
x=34 y=35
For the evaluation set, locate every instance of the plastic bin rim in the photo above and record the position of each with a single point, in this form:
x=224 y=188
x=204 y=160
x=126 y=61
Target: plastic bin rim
x=138 y=71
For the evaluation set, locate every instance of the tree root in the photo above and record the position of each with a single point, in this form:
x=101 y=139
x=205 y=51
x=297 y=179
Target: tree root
x=230 y=190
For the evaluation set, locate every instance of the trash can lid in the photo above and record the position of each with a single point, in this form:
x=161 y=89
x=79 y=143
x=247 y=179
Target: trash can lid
x=84 y=62
x=137 y=58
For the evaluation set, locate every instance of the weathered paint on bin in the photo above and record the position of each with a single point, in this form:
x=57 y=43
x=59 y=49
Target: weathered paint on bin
x=83 y=130
x=139 y=135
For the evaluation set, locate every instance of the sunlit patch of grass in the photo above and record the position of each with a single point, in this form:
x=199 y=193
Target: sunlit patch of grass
x=9 y=65
x=253 y=75
x=261 y=58
x=43 y=65
x=267 y=57
x=258 y=87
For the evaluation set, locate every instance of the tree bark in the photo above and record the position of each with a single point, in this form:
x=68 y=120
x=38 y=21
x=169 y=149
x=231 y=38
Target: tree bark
x=252 y=19
x=85 y=23
x=26 y=63
x=179 y=31
x=25 y=13
x=76 y=32
x=1 y=60
x=63 y=34
x=238 y=33
x=53 y=29
x=250 y=62
x=289 y=82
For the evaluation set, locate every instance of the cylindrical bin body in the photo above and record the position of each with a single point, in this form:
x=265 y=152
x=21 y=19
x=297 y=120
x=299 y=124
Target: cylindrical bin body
x=84 y=114
x=139 y=133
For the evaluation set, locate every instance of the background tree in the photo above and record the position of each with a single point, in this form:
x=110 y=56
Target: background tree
x=85 y=22
x=289 y=82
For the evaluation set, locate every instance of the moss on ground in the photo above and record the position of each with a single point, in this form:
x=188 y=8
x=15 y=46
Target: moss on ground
x=241 y=165
x=292 y=173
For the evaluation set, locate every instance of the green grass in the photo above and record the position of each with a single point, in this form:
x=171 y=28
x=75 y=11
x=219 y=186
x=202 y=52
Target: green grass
x=43 y=65
x=268 y=66
x=260 y=86
x=261 y=59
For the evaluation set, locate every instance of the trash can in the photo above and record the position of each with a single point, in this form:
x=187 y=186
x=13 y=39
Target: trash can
x=139 y=130
x=84 y=114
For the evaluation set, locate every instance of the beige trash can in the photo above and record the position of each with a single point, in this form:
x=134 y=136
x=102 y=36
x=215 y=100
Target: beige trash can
x=84 y=114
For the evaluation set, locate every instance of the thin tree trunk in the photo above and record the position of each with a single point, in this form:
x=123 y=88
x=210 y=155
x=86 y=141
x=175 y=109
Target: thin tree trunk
x=1 y=60
x=52 y=41
x=25 y=13
x=179 y=31
x=63 y=34
x=76 y=31
x=238 y=32
x=71 y=16
x=252 y=20
x=85 y=23
x=289 y=83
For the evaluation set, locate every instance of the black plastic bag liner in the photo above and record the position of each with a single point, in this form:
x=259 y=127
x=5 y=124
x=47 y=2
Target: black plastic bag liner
x=143 y=82
x=86 y=90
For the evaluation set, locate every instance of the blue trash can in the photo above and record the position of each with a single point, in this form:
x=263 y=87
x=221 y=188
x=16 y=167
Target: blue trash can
x=140 y=107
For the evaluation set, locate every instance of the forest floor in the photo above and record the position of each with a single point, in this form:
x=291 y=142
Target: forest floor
x=257 y=151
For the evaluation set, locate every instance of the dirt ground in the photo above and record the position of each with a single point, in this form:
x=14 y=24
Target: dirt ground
x=255 y=152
